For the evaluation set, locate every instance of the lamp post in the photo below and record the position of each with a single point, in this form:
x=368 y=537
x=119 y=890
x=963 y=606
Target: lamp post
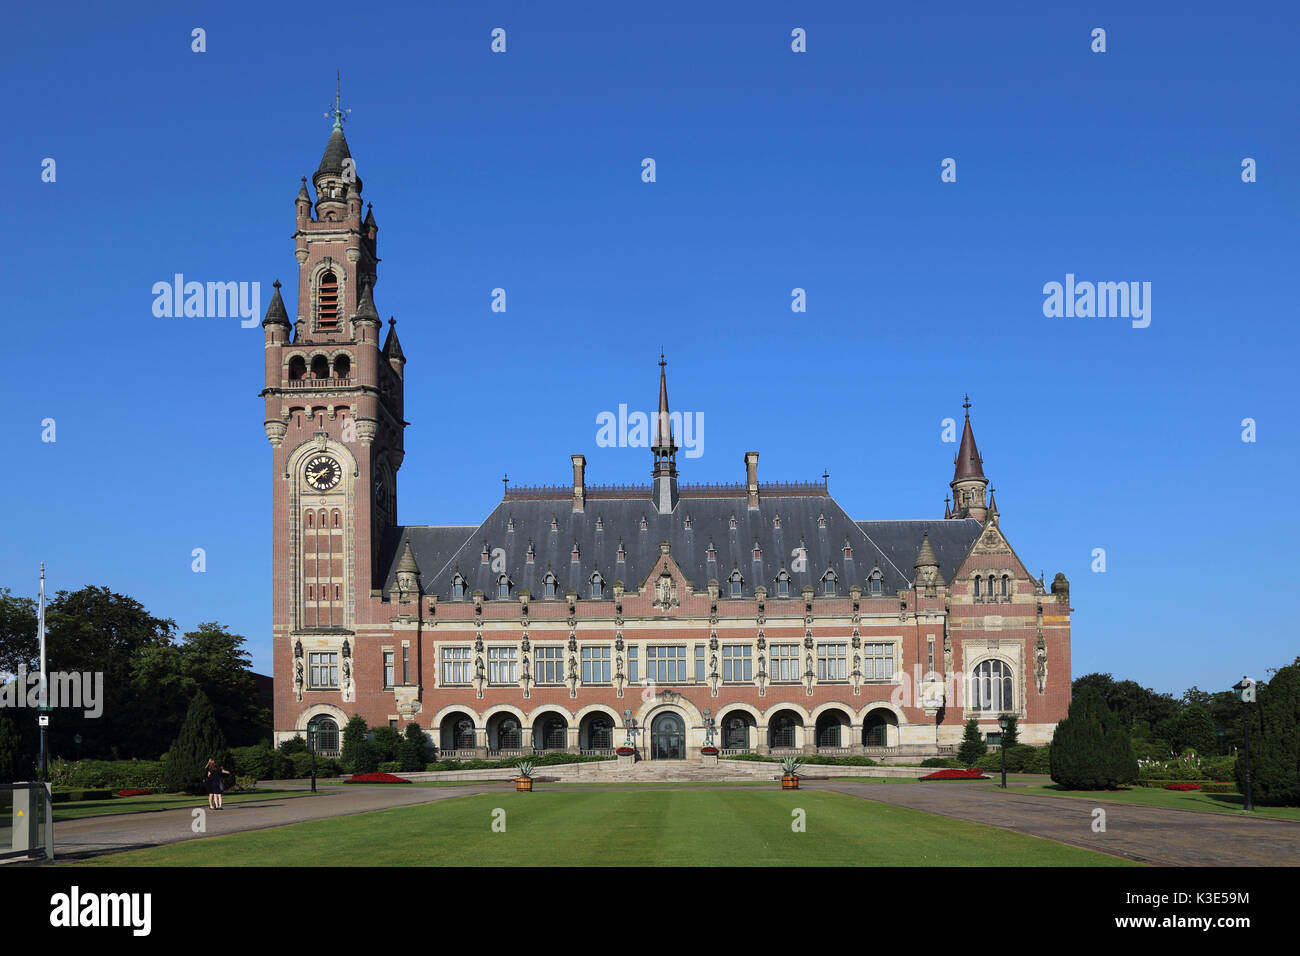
x=311 y=746
x=1245 y=691
x=1003 y=722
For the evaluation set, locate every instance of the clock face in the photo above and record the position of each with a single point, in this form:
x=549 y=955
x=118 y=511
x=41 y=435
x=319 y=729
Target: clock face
x=323 y=473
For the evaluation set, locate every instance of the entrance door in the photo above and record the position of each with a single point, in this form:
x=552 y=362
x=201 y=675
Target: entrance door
x=667 y=738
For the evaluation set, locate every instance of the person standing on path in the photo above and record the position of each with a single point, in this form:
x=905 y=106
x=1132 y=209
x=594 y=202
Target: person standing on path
x=216 y=783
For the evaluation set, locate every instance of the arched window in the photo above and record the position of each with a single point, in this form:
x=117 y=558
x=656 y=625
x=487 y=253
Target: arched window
x=991 y=688
x=342 y=366
x=876 y=583
x=737 y=584
x=735 y=733
x=977 y=585
x=783 y=585
x=509 y=736
x=320 y=367
x=828 y=584
x=327 y=302
x=597 y=587
x=549 y=585
x=297 y=368
x=503 y=588
x=458 y=588
x=1006 y=585
x=336 y=517
x=782 y=730
x=311 y=519
x=323 y=732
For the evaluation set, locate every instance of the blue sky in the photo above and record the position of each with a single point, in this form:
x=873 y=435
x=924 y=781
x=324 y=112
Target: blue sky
x=775 y=170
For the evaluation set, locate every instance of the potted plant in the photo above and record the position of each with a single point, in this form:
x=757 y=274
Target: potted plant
x=524 y=780
x=709 y=751
x=790 y=767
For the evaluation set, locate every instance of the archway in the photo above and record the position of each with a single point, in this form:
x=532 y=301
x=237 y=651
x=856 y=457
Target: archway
x=504 y=732
x=783 y=730
x=832 y=729
x=457 y=731
x=737 y=731
x=551 y=732
x=325 y=730
x=596 y=732
x=880 y=729
x=668 y=737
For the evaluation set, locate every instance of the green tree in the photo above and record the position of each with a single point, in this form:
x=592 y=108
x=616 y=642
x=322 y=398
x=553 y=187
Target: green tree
x=199 y=741
x=354 y=737
x=386 y=740
x=1194 y=730
x=18 y=643
x=412 y=752
x=1011 y=736
x=1092 y=748
x=972 y=744
x=1275 y=740
x=13 y=760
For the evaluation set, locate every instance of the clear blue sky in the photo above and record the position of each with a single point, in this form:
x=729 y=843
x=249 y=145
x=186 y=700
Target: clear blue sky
x=775 y=170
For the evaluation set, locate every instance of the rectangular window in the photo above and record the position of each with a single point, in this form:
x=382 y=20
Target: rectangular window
x=595 y=665
x=406 y=664
x=550 y=665
x=633 y=664
x=993 y=740
x=392 y=724
x=665 y=665
x=699 y=662
x=930 y=666
x=503 y=665
x=388 y=669
x=832 y=662
x=325 y=670
x=785 y=662
x=737 y=662
x=455 y=665
x=878 y=661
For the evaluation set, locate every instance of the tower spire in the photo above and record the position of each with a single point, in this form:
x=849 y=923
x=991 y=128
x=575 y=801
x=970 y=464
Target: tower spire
x=968 y=481
x=664 y=449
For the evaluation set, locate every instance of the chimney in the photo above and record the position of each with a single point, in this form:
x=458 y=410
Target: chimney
x=579 y=494
x=751 y=478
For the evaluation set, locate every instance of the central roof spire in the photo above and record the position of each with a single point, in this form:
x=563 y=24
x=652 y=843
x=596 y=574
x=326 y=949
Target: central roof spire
x=339 y=113
x=663 y=422
x=665 y=449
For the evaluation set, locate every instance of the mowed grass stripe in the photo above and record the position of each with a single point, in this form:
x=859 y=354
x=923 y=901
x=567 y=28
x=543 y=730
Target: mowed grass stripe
x=738 y=827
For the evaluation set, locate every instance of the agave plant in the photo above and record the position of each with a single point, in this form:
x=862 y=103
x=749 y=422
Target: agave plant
x=524 y=768
x=790 y=766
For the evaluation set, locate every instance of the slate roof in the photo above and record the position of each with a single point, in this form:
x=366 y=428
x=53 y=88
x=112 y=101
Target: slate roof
x=891 y=546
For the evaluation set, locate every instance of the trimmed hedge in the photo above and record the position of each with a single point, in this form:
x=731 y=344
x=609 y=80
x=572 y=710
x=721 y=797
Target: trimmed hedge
x=66 y=796
x=540 y=760
x=390 y=766
x=107 y=774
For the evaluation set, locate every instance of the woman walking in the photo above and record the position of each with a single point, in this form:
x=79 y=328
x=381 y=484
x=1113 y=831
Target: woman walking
x=216 y=783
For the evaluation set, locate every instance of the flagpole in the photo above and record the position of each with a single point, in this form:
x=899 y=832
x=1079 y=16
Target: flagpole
x=44 y=699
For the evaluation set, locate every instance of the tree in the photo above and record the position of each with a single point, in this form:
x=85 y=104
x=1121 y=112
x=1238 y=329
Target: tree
x=200 y=740
x=386 y=740
x=18 y=642
x=972 y=744
x=1194 y=730
x=1275 y=740
x=412 y=751
x=12 y=759
x=1092 y=748
x=1011 y=736
x=354 y=738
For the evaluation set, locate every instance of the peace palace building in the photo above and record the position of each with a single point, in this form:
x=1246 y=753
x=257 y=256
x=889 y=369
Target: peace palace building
x=758 y=616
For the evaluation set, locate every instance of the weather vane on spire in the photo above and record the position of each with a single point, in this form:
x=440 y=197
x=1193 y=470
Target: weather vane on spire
x=339 y=114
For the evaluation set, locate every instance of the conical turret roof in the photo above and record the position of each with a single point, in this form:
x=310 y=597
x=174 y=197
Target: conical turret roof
x=968 y=463
x=275 y=313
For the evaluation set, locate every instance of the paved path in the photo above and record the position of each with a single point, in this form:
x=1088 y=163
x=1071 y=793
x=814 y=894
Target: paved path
x=1150 y=834
x=113 y=833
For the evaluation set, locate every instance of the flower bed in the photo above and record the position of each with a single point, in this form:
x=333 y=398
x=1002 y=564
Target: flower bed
x=955 y=774
x=380 y=777
x=709 y=751
x=134 y=793
x=625 y=751
x=1182 y=786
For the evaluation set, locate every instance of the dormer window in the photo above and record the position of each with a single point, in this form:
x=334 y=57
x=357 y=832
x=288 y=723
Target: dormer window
x=776 y=522
x=485 y=555
x=687 y=523
x=828 y=584
x=622 y=555
x=643 y=523
x=510 y=523
x=713 y=554
x=600 y=523
x=555 y=525
x=549 y=585
x=876 y=583
x=783 y=584
x=597 y=587
x=733 y=522
x=758 y=552
x=531 y=554
x=821 y=521
x=848 y=551
x=458 y=588
x=576 y=553
x=503 y=588
x=737 y=584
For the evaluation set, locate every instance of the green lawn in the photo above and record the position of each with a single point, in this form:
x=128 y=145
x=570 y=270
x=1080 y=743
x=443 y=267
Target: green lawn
x=76 y=809
x=682 y=827
x=1176 y=799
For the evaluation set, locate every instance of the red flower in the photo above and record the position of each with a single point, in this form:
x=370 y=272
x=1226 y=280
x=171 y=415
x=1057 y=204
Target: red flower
x=709 y=750
x=134 y=793
x=951 y=774
x=1182 y=786
x=380 y=777
x=625 y=751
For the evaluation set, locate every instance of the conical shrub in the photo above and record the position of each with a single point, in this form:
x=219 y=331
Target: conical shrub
x=199 y=741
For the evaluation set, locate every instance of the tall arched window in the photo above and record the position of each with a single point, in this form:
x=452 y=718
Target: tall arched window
x=737 y=584
x=828 y=584
x=458 y=588
x=548 y=586
x=783 y=585
x=342 y=366
x=325 y=732
x=876 y=583
x=327 y=302
x=597 y=587
x=991 y=688
x=503 y=588
x=320 y=367
x=297 y=368
x=1006 y=585
x=977 y=585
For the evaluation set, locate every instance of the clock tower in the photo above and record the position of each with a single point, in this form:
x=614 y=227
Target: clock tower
x=333 y=415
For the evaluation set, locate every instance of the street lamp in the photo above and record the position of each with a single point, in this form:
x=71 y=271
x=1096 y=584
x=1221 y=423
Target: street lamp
x=1245 y=691
x=311 y=746
x=1003 y=722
